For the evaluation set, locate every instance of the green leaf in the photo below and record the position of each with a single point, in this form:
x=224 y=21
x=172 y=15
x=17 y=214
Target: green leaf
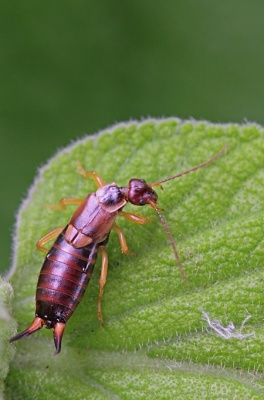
x=155 y=342
x=7 y=329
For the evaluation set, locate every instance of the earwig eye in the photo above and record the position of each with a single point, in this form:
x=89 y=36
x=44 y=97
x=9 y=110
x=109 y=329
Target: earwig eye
x=142 y=202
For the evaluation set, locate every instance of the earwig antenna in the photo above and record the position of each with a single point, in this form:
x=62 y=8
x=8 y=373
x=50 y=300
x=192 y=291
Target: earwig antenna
x=153 y=205
x=192 y=169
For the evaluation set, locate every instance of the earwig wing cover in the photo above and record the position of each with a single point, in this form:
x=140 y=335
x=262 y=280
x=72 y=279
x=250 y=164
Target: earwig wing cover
x=155 y=340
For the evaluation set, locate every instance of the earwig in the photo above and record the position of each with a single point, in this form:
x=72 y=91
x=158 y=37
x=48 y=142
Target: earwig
x=68 y=265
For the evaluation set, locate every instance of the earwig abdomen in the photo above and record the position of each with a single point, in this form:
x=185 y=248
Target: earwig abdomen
x=63 y=280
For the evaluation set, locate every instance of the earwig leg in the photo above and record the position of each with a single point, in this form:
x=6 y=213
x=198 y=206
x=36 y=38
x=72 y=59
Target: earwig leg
x=97 y=179
x=122 y=240
x=102 y=282
x=63 y=204
x=49 y=236
x=136 y=218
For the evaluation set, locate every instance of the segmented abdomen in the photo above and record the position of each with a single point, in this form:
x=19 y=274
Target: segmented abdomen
x=63 y=279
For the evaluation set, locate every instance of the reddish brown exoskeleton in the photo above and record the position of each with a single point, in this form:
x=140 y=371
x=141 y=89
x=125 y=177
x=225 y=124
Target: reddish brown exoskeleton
x=69 y=263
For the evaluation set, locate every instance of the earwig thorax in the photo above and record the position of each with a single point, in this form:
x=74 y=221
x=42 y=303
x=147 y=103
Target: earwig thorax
x=110 y=197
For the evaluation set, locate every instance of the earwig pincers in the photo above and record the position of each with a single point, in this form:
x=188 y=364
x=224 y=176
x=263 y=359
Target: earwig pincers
x=68 y=265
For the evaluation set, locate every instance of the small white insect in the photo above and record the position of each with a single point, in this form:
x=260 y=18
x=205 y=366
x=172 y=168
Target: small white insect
x=227 y=332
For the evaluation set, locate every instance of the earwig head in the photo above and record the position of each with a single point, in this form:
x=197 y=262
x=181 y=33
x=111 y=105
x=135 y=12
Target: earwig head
x=140 y=193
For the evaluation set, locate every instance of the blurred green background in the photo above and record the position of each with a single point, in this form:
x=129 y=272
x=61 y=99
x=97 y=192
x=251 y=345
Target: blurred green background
x=70 y=68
